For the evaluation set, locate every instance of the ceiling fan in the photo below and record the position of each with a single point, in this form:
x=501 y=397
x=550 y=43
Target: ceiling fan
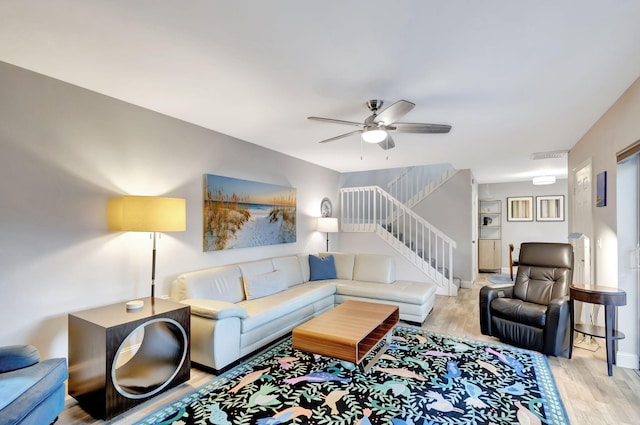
x=377 y=126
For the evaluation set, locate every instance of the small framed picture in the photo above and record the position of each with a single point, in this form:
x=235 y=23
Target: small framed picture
x=520 y=208
x=550 y=208
x=601 y=189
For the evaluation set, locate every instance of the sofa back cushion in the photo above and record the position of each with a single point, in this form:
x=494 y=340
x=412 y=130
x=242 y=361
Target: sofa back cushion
x=303 y=260
x=290 y=267
x=261 y=285
x=322 y=268
x=376 y=268
x=253 y=268
x=344 y=264
x=222 y=283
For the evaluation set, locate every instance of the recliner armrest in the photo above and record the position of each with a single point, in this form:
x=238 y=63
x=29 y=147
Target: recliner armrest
x=14 y=357
x=557 y=327
x=496 y=291
x=214 y=309
x=488 y=294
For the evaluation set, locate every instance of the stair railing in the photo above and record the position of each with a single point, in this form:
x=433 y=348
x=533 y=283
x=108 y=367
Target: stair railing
x=371 y=209
x=416 y=183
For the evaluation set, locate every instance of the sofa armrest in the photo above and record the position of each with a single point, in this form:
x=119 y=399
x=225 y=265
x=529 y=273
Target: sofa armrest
x=13 y=357
x=214 y=309
x=488 y=294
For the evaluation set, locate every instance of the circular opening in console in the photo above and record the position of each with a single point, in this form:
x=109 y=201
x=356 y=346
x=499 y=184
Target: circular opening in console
x=149 y=358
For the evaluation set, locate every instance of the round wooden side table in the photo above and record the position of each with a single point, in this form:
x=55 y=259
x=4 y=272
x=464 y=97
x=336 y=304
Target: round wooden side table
x=610 y=298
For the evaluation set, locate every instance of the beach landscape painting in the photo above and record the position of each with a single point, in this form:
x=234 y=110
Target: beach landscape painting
x=242 y=214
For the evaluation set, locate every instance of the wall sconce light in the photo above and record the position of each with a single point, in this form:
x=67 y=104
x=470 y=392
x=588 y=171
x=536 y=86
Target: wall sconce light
x=147 y=214
x=328 y=225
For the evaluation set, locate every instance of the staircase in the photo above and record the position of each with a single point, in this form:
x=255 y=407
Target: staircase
x=371 y=209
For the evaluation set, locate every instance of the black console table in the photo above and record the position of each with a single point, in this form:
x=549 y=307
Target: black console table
x=119 y=358
x=611 y=298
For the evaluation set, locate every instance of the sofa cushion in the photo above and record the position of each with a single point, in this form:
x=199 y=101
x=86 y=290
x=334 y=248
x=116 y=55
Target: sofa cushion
x=344 y=264
x=253 y=268
x=291 y=269
x=264 y=284
x=374 y=268
x=22 y=390
x=219 y=283
x=322 y=268
x=303 y=260
x=400 y=291
x=263 y=310
x=214 y=309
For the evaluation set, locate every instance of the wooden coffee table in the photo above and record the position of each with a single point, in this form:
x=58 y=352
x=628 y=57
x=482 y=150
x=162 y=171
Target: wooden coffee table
x=348 y=332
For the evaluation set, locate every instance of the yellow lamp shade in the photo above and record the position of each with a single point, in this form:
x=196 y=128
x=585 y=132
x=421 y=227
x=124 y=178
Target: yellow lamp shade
x=147 y=214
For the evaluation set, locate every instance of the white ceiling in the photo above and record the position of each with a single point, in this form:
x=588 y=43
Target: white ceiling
x=511 y=77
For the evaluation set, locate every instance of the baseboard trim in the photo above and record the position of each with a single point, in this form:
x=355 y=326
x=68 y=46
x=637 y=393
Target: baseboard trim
x=627 y=360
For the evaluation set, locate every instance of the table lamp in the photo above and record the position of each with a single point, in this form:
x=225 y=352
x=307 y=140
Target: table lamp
x=147 y=214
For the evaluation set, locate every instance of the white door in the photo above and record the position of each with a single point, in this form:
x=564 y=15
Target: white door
x=628 y=224
x=582 y=220
x=582 y=224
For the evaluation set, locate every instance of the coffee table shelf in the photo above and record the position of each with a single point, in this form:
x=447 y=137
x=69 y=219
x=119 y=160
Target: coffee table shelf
x=348 y=332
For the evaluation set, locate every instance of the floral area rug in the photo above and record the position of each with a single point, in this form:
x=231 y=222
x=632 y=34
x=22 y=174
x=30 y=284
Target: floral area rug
x=423 y=379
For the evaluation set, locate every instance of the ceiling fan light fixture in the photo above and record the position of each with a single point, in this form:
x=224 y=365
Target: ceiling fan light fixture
x=374 y=136
x=541 y=180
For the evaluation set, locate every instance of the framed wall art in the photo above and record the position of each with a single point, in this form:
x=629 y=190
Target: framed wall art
x=520 y=208
x=550 y=208
x=241 y=213
x=601 y=189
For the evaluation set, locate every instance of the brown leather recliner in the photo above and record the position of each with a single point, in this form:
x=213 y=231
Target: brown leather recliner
x=533 y=312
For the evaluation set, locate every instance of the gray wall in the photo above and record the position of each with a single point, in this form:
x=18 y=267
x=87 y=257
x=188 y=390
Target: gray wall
x=516 y=232
x=449 y=209
x=65 y=152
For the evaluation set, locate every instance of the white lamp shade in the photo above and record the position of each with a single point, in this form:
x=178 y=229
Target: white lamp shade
x=374 y=136
x=147 y=214
x=327 y=224
x=540 y=180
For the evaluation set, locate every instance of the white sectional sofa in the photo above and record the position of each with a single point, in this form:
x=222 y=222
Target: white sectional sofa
x=239 y=308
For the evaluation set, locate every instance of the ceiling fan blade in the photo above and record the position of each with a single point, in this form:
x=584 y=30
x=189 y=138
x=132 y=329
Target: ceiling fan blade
x=394 y=112
x=388 y=143
x=408 y=127
x=357 y=124
x=340 y=136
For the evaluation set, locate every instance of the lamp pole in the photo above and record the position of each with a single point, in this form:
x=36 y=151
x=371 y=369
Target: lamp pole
x=153 y=269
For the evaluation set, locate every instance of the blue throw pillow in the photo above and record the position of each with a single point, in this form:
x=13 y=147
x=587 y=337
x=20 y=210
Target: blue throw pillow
x=322 y=268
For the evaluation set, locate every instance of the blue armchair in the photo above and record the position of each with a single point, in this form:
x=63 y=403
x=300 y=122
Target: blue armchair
x=31 y=391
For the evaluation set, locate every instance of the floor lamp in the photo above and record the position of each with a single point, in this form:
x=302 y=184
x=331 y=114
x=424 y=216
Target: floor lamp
x=328 y=225
x=147 y=214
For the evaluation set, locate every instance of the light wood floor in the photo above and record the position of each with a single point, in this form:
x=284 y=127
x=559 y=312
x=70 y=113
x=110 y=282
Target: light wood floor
x=589 y=395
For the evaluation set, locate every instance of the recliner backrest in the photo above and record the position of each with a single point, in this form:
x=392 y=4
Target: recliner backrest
x=545 y=271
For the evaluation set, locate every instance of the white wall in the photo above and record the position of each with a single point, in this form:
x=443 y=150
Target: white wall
x=65 y=152
x=618 y=128
x=516 y=232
